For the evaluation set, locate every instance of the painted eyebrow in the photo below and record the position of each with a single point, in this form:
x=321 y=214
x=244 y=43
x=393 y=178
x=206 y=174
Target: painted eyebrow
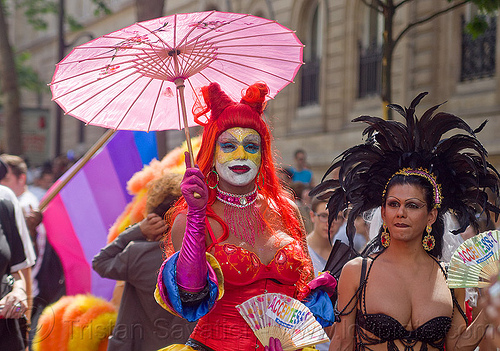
x=410 y=199
x=227 y=138
x=253 y=138
x=231 y=138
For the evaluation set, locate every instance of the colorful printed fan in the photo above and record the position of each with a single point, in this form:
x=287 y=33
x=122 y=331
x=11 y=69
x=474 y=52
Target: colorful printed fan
x=280 y=316
x=475 y=261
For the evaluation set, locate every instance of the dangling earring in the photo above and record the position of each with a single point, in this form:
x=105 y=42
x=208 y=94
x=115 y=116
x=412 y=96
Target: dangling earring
x=385 y=237
x=213 y=171
x=428 y=242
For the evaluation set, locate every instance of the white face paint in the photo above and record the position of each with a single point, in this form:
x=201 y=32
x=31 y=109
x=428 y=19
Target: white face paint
x=238 y=156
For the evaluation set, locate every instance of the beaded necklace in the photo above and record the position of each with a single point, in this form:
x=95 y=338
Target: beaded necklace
x=240 y=201
x=241 y=215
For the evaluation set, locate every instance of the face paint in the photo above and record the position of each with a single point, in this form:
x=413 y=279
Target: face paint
x=238 y=155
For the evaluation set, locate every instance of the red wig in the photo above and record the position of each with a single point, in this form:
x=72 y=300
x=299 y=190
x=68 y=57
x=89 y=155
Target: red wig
x=248 y=113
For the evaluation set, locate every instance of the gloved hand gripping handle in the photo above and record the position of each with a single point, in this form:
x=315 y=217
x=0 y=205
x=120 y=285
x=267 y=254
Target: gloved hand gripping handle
x=192 y=264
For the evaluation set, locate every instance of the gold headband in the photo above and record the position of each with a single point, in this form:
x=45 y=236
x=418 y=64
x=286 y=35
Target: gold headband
x=421 y=172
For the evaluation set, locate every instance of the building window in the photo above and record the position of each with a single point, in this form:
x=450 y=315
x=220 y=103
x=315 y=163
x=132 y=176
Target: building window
x=310 y=83
x=370 y=70
x=310 y=72
x=478 y=55
x=370 y=55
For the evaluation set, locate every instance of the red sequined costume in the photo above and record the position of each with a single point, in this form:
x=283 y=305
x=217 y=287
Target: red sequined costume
x=245 y=277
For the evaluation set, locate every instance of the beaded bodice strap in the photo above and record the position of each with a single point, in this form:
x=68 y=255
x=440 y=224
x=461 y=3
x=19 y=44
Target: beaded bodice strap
x=242 y=215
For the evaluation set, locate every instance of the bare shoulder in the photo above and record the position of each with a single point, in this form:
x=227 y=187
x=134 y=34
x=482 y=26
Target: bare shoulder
x=352 y=270
x=348 y=285
x=295 y=208
x=270 y=203
x=460 y=296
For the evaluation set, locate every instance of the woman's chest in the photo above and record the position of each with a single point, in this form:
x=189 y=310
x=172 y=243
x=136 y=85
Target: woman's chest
x=412 y=301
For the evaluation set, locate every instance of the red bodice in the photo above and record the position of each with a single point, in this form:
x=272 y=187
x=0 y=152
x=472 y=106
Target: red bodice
x=245 y=276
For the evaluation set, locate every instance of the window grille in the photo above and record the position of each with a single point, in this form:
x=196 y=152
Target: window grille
x=478 y=55
x=310 y=83
x=370 y=70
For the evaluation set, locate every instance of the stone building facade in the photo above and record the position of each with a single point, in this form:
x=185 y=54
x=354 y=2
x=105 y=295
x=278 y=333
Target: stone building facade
x=339 y=79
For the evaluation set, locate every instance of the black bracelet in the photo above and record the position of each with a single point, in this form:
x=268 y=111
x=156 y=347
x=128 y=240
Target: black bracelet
x=191 y=299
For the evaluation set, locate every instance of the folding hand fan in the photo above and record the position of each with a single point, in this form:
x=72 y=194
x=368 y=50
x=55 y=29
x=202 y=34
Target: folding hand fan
x=280 y=316
x=339 y=256
x=475 y=261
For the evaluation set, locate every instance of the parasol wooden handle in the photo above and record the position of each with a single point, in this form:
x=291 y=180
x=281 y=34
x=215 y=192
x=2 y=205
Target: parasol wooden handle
x=179 y=83
x=180 y=88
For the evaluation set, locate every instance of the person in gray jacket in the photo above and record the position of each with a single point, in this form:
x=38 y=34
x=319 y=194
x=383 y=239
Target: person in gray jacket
x=135 y=257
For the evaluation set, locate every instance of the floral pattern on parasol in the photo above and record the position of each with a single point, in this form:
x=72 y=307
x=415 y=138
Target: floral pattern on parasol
x=135 y=78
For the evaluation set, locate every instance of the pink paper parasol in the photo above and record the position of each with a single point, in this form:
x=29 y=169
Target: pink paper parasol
x=145 y=76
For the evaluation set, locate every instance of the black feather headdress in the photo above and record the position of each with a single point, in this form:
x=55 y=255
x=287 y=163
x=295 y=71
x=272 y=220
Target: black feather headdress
x=458 y=163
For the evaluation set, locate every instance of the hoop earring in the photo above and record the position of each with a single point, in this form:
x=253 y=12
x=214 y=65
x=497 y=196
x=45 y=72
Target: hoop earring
x=428 y=242
x=259 y=180
x=385 y=237
x=216 y=179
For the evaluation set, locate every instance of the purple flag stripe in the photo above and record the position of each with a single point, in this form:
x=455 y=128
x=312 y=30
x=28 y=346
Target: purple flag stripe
x=125 y=158
x=107 y=190
x=83 y=213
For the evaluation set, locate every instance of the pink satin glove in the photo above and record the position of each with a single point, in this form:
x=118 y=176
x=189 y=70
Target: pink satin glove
x=191 y=264
x=274 y=345
x=193 y=188
x=325 y=282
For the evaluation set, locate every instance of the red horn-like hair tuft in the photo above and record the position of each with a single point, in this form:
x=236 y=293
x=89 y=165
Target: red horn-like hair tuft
x=255 y=96
x=215 y=100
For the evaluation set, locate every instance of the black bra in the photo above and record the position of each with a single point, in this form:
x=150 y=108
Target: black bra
x=386 y=329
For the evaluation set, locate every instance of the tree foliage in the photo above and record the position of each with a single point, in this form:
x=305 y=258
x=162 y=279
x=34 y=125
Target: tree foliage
x=27 y=77
x=36 y=12
x=389 y=9
x=15 y=73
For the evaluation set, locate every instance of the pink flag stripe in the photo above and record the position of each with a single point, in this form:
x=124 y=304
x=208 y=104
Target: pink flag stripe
x=85 y=215
x=57 y=222
x=79 y=218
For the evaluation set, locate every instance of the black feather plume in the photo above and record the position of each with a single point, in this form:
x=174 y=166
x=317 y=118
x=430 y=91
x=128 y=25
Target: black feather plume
x=459 y=162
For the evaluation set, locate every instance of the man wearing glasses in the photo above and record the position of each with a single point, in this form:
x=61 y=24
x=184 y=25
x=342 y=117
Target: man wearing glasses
x=317 y=241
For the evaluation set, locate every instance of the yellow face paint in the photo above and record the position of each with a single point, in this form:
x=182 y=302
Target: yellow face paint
x=238 y=155
x=238 y=144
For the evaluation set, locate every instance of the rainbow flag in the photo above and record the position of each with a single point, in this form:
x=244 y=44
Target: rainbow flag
x=77 y=220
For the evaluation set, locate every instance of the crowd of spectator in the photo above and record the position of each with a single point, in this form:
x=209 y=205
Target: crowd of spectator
x=42 y=274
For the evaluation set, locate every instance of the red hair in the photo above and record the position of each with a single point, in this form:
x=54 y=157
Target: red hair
x=248 y=113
